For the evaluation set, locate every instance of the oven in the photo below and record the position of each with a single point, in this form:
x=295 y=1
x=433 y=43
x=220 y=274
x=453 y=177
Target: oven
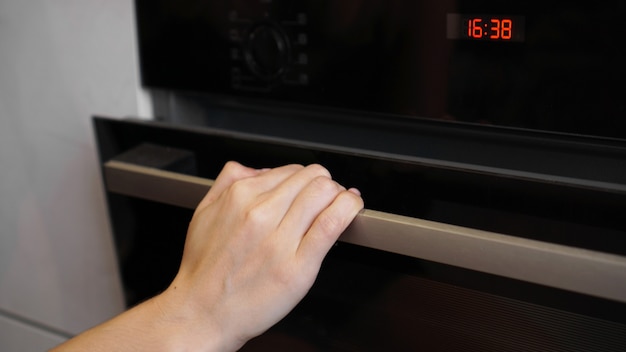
x=487 y=138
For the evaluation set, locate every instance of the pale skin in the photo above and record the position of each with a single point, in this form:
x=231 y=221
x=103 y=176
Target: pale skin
x=253 y=250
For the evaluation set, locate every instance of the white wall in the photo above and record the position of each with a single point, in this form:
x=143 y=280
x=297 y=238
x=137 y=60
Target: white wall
x=17 y=336
x=61 y=61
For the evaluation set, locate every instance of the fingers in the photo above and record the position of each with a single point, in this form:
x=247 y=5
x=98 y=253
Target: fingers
x=320 y=208
x=304 y=202
x=328 y=226
x=314 y=197
x=234 y=171
x=273 y=178
x=307 y=183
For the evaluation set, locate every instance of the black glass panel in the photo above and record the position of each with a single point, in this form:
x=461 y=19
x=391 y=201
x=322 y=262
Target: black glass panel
x=365 y=300
x=368 y=300
x=542 y=65
x=533 y=208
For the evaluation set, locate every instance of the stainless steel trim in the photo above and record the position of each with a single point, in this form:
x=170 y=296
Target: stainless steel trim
x=574 y=269
x=155 y=184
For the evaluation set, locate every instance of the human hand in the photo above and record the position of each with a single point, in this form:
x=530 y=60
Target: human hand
x=253 y=250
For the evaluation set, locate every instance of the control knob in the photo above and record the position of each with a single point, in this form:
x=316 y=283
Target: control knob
x=266 y=51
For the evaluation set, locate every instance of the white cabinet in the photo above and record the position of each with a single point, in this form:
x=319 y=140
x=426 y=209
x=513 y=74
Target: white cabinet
x=17 y=336
x=61 y=61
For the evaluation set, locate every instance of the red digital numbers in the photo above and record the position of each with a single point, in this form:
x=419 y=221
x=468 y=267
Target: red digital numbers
x=490 y=28
x=474 y=28
x=501 y=29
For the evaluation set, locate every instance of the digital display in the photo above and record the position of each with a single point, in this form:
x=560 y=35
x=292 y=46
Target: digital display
x=498 y=28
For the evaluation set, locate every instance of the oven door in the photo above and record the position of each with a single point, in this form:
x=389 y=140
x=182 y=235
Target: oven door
x=442 y=259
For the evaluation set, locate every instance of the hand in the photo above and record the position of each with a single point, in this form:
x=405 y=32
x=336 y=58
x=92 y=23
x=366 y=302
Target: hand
x=254 y=248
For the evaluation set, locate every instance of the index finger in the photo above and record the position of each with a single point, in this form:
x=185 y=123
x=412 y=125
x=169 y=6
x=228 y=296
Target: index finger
x=327 y=228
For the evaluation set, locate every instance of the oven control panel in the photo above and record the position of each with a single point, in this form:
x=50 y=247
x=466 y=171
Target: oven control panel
x=545 y=65
x=266 y=51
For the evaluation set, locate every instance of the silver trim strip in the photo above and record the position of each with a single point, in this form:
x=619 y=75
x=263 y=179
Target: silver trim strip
x=155 y=184
x=574 y=269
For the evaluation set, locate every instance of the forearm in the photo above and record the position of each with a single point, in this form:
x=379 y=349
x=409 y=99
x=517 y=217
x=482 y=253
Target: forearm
x=148 y=327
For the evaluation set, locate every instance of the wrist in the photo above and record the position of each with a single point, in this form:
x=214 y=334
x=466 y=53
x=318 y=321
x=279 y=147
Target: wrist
x=187 y=325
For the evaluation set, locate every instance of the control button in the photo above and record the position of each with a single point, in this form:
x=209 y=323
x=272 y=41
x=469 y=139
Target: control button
x=303 y=39
x=233 y=34
x=303 y=79
x=267 y=51
x=303 y=59
x=302 y=19
x=234 y=54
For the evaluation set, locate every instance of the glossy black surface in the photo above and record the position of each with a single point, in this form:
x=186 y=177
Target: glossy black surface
x=368 y=300
x=539 y=209
x=395 y=58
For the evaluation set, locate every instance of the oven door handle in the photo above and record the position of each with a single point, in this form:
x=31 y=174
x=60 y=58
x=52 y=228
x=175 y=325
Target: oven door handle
x=584 y=271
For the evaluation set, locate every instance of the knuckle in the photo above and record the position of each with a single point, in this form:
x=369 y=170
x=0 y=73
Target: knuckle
x=256 y=216
x=293 y=168
x=324 y=186
x=239 y=196
x=317 y=169
x=231 y=167
x=240 y=189
x=335 y=222
x=353 y=199
x=329 y=224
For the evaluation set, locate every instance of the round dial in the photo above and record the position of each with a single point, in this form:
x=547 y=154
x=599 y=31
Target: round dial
x=267 y=51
